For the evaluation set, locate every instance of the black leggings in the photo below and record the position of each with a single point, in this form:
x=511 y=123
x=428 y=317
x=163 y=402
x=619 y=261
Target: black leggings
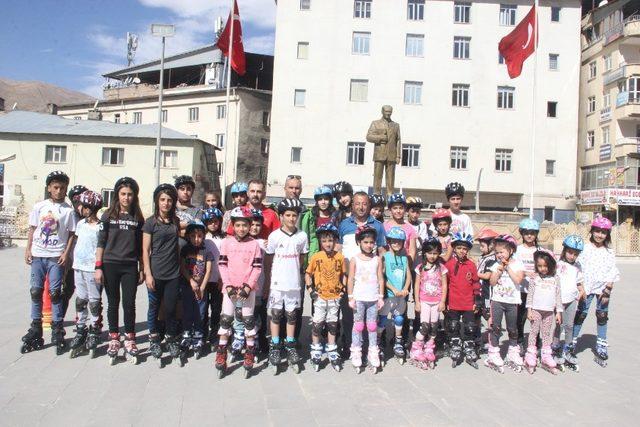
x=522 y=316
x=115 y=276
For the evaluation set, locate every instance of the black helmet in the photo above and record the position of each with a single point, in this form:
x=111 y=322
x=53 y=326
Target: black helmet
x=454 y=189
x=76 y=191
x=184 y=179
x=377 y=200
x=57 y=176
x=168 y=188
x=414 y=202
x=289 y=205
x=342 y=187
x=126 y=181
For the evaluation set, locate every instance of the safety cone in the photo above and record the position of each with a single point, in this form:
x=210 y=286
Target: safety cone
x=46 y=306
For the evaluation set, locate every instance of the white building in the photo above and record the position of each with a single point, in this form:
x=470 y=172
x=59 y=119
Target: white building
x=437 y=63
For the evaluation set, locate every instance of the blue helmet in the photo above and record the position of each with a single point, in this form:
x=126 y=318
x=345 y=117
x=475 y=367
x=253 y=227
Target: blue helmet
x=529 y=224
x=211 y=213
x=377 y=200
x=322 y=191
x=463 y=239
x=327 y=228
x=239 y=187
x=194 y=225
x=573 y=241
x=257 y=214
x=396 y=198
x=396 y=233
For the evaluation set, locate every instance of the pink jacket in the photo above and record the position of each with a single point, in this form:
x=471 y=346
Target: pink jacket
x=240 y=262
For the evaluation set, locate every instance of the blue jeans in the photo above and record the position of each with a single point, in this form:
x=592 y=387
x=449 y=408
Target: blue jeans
x=40 y=269
x=194 y=311
x=583 y=310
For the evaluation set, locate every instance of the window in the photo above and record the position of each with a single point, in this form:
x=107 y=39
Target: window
x=552 y=109
x=415 y=10
x=165 y=116
x=168 y=158
x=503 y=159
x=591 y=140
x=299 y=97
x=362 y=9
x=194 y=114
x=508 y=14
x=460 y=95
x=410 y=155
x=137 y=117
x=592 y=70
x=606 y=135
x=220 y=140
x=415 y=45
x=112 y=156
x=461 y=46
x=116 y=118
x=77 y=118
x=355 y=153
x=608 y=62
x=303 y=50
x=107 y=196
x=55 y=154
x=219 y=168
x=500 y=58
x=555 y=14
x=266 y=118
x=359 y=90
x=633 y=84
x=305 y=4
x=606 y=99
x=264 y=146
x=296 y=154
x=458 y=157
x=413 y=92
x=221 y=111
x=591 y=104
x=505 y=97
x=553 y=61
x=360 y=45
x=461 y=12
x=550 y=169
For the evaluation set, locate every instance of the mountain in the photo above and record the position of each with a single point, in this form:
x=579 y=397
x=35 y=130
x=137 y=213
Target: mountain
x=34 y=95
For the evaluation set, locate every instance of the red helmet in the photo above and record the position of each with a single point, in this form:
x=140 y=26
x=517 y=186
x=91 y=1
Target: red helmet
x=91 y=199
x=441 y=214
x=486 y=234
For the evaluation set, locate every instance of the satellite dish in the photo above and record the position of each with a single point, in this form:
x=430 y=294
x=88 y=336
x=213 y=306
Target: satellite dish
x=136 y=80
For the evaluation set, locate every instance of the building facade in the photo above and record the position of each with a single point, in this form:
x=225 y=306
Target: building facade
x=608 y=152
x=437 y=63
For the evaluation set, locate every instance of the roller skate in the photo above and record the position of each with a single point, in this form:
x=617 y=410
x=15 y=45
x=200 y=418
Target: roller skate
x=570 y=359
x=155 y=348
x=399 y=351
x=470 y=354
x=455 y=352
x=316 y=356
x=531 y=359
x=114 y=347
x=78 y=342
x=185 y=344
x=198 y=345
x=514 y=360
x=221 y=360
x=417 y=355
x=33 y=339
x=494 y=361
x=558 y=357
x=601 y=354
x=546 y=361
x=57 y=337
x=236 y=346
x=175 y=350
x=130 y=347
x=334 y=357
x=293 y=359
x=356 y=358
x=429 y=353
x=93 y=340
x=374 y=359
x=275 y=356
x=249 y=359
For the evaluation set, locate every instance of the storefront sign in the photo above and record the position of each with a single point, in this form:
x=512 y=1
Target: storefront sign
x=605 y=152
x=623 y=197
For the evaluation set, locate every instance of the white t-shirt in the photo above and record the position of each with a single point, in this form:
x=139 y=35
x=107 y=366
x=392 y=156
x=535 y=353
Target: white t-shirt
x=570 y=275
x=525 y=255
x=286 y=250
x=459 y=223
x=54 y=222
x=212 y=245
x=84 y=253
x=544 y=294
x=505 y=290
x=365 y=280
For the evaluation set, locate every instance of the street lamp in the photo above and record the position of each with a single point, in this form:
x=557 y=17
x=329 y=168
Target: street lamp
x=161 y=30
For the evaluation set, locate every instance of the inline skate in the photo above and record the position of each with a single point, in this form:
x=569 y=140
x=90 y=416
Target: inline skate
x=455 y=352
x=33 y=339
x=334 y=357
x=570 y=359
x=130 y=347
x=470 y=354
x=547 y=362
x=155 y=347
x=221 y=360
x=374 y=359
x=429 y=353
x=114 y=347
x=399 y=351
x=93 y=339
x=78 y=343
x=493 y=360
x=293 y=359
x=197 y=344
x=558 y=357
x=175 y=350
x=237 y=345
x=275 y=356
x=316 y=356
x=417 y=355
x=249 y=360
x=601 y=354
x=514 y=360
x=531 y=359
x=356 y=358
x=57 y=337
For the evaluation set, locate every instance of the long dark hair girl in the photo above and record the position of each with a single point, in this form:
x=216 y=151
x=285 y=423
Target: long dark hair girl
x=134 y=209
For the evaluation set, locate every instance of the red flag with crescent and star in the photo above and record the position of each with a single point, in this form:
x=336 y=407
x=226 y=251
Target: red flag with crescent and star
x=519 y=44
x=238 y=60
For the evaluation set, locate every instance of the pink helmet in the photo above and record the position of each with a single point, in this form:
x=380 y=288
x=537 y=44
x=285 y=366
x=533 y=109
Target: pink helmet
x=602 y=223
x=507 y=238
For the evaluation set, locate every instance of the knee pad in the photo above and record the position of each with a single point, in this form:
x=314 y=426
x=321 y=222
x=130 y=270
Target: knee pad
x=513 y=333
x=95 y=307
x=56 y=296
x=291 y=317
x=580 y=316
x=382 y=322
x=471 y=329
x=317 y=328
x=81 y=304
x=332 y=327
x=237 y=311
x=425 y=329
x=601 y=317
x=249 y=322
x=398 y=320
x=36 y=294
x=453 y=327
x=358 y=326
x=276 y=315
x=226 y=322
x=372 y=326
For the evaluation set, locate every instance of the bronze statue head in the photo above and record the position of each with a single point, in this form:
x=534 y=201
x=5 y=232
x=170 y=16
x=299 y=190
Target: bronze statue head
x=387 y=110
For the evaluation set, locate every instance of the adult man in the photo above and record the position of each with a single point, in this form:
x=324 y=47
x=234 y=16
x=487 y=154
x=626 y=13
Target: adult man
x=293 y=187
x=255 y=196
x=385 y=134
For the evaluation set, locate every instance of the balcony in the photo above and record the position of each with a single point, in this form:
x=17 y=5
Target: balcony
x=613 y=76
x=626 y=146
x=632 y=30
x=605 y=115
x=628 y=106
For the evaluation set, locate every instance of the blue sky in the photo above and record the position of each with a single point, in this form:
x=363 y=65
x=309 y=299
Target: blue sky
x=71 y=43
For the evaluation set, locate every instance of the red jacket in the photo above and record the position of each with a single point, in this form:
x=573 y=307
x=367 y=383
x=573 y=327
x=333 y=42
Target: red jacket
x=464 y=284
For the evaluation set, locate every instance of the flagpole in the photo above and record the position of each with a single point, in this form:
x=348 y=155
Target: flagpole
x=533 y=114
x=232 y=15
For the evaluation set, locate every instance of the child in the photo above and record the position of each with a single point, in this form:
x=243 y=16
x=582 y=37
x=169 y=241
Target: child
x=529 y=229
x=414 y=210
x=286 y=249
x=68 y=286
x=572 y=291
x=256 y=231
x=212 y=200
x=441 y=221
x=377 y=206
x=365 y=288
x=506 y=276
x=486 y=261
x=397 y=283
x=196 y=271
x=543 y=299
x=343 y=194
x=185 y=210
x=397 y=206
x=463 y=295
x=460 y=222
x=161 y=261
x=240 y=266
x=430 y=296
x=598 y=262
x=212 y=218
x=325 y=279
x=88 y=292
x=316 y=217
x=239 y=198
x=52 y=223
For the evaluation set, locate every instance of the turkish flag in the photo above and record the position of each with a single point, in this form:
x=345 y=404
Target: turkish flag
x=519 y=44
x=238 y=60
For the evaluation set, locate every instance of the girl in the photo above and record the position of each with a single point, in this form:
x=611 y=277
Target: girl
x=88 y=292
x=543 y=298
x=506 y=276
x=441 y=221
x=317 y=216
x=487 y=259
x=431 y=295
x=162 y=269
x=212 y=218
x=598 y=263
x=377 y=206
x=529 y=229
x=397 y=206
x=119 y=265
x=212 y=200
x=343 y=193
x=365 y=287
x=572 y=291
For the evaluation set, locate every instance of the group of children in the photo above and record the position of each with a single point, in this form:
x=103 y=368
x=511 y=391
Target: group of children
x=227 y=276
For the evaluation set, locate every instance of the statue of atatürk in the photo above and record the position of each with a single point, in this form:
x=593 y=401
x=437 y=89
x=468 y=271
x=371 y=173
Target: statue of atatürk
x=385 y=134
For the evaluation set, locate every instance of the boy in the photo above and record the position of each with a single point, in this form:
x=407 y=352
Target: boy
x=486 y=261
x=441 y=220
x=325 y=279
x=317 y=216
x=185 y=210
x=286 y=249
x=239 y=198
x=52 y=224
x=397 y=206
x=460 y=222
